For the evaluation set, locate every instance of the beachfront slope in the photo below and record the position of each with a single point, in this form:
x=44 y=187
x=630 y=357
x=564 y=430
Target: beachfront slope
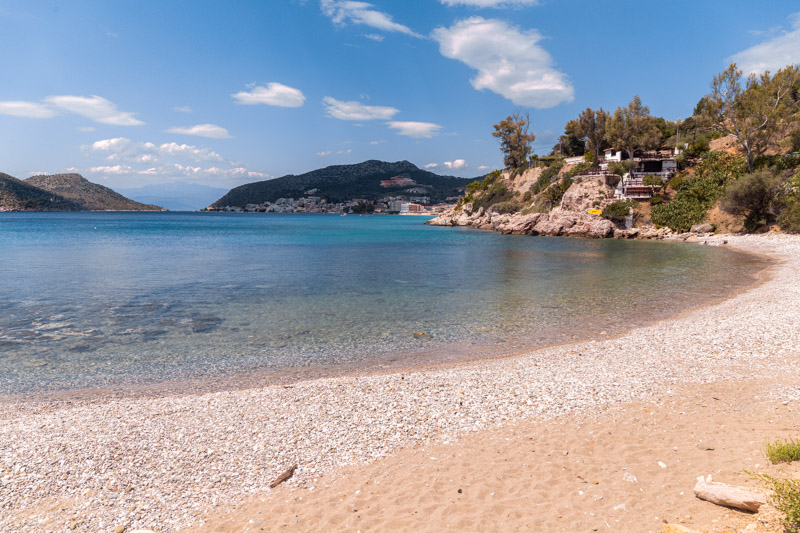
x=342 y=183
x=164 y=463
x=88 y=195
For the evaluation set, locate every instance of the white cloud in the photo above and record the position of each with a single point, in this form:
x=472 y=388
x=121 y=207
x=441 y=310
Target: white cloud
x=375 y=37
x=490 y=3
x=187 y=150
x=484 y=167
x=212 y=131
x=341 y=152
x=124 y=149
x=455 y=165
x=343 y=11
x=26 y=109
x=276 y=94
x=116 y=169
x=432 y=165
x=182 y=109
x=781 y=50
x=324 y=154
x=95 y=108
x=356 y=110
x=86 y=128
x=415 y=129
x=509 y=61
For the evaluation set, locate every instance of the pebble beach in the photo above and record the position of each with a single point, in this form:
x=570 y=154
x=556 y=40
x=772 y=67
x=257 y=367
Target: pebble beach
x=164 y=463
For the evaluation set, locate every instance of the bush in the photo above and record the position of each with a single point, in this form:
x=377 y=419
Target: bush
x=617 y=167
x=785 y=498
x=579 y=169
x=653 y=181
x=789 y=217
x=618 y=210
x=656 y=199
x=509 y=206
x=553 y=194
x=753 y=196
x=495 y=194
x=679 y=215
x=783 y=451
x=490 y=178
x=546 y=177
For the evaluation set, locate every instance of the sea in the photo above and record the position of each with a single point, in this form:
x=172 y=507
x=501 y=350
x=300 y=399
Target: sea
x=134 y=300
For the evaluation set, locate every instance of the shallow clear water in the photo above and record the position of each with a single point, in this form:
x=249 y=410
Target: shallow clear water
x=94 y=299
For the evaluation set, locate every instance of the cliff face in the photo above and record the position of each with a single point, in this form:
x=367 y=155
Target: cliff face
x=570 y=217
x=90 y=196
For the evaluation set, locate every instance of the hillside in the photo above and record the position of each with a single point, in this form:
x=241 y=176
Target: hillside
x=16 y=195
x=342 y=183
x=90 y=196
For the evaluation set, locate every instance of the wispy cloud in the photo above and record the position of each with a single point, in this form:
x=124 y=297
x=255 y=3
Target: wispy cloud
x=356 y=110
x=95 y=108
x=432 y=165
x=375 y=37
x=417 y=130
x=182 y=109
x=274 y=93
x=344 y=11
x=775 y=53
x=212 y=131
x=324 y=154
x=509 y=61
x=490 y=3
x=26 y=109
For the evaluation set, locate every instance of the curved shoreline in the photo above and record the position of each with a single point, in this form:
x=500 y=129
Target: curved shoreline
x=436 y=358
x=221 y=447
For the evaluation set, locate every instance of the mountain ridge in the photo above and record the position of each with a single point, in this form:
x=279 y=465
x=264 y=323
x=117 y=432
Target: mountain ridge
x=92 y=196
x=340 y=183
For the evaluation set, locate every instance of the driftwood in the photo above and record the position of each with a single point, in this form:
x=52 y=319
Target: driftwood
x=283 y=477
x=723 y=494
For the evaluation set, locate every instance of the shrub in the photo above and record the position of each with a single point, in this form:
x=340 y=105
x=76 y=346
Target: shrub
x=679 y=215
x=656 y=199
x=579 y=169
x=653 y=181
x=783 y=451
x=495 y=194
x=753 y=196
x=789 y=218
x=509 y=206
x=617 y=167
x=546 y=177
x=785 y=498
x=553 y=194
x=620 y=209
x=490 y=178
x=596 y=203
x=527 y=196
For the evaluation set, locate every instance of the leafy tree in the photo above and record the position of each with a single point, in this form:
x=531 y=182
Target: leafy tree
x=633 y=128
x=515 y=139
x=761 y=114
x=569 y=145
x=590 y=127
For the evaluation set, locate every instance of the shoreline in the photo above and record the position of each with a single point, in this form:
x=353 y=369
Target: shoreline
x=436 y=358
x=327 y=423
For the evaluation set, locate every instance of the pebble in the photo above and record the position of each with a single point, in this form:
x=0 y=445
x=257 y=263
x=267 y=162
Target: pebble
x=173 y=458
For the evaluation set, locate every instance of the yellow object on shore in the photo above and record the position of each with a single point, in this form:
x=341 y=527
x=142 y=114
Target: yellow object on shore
x=595 y=211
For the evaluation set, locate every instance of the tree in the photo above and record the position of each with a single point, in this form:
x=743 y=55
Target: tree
x=515 y=140
x=753 y=196
x=760 y=115
x=590 y=127
x=632 y=128
x=569 y=146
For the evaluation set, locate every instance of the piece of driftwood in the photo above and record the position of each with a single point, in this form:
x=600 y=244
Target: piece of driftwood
x=283 y=477
x=723 y=494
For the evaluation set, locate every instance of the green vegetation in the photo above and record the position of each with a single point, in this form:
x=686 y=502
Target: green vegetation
x=753 y=196
x=617 y=211
x=761 y=115
x=553 y=194
x=515 y=139
x=656 y=199
x=495 y=194
x=783 y=451
x=547 y=177
x=653 y=181
x=88 y=195
x=785 y=498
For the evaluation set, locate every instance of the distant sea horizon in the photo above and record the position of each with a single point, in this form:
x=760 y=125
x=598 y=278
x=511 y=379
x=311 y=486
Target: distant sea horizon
x=110 y=299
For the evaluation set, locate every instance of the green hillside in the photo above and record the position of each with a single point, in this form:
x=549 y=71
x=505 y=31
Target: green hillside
x=90 y=196
x=16 y=195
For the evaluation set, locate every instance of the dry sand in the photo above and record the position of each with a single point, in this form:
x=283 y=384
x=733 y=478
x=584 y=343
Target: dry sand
x=523 y=438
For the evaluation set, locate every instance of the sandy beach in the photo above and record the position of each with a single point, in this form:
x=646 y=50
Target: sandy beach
x=602 y=435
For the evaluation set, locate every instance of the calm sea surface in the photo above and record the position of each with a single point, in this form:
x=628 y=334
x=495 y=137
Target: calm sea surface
x=99 y=299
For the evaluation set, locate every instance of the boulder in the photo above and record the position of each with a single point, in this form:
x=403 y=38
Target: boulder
x=722 y=494
x=702 y=228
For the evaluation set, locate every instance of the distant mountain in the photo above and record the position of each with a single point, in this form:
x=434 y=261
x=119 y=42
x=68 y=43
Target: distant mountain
x=370 y=180
x=90 y=196
x=16 y=195
x=179 y=196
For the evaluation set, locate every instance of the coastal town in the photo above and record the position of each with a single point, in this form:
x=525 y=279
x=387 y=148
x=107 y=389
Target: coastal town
x=395 y=205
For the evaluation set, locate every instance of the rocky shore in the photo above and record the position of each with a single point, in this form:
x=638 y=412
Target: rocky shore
x=164 y=463
x=557 y=223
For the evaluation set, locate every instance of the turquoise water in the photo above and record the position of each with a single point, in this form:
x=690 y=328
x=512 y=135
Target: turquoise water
x=97 y=299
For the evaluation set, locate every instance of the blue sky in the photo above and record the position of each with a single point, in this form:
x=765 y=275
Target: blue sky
x=131 y=93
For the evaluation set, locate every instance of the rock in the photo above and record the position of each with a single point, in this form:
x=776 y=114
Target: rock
x=74 y=525
x=661 y=464
x=119 y=529
x=677 y=528
x=722 y=494
x=702 y=228
x=704 y=447
x=630 y=478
